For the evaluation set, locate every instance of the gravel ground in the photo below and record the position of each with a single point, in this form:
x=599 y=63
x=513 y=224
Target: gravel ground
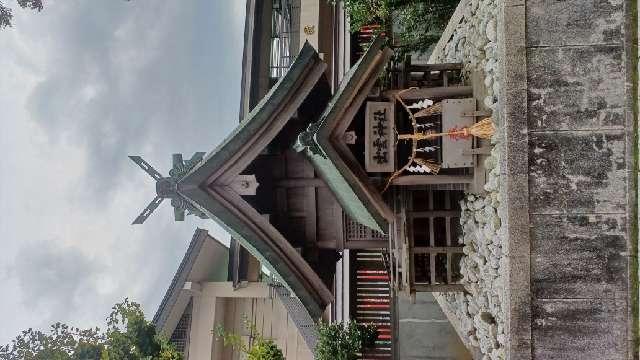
x=480 y=312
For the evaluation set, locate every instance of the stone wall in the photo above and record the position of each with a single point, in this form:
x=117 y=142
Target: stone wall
x=580 y=154
x=548 y=248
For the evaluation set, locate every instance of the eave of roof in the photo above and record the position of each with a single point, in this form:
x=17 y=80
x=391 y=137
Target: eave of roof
x=356 y=195
x=306 y=63
x=180 y=277
x=206 y=186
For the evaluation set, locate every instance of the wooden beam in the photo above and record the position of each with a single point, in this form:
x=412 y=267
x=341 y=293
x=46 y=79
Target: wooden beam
x=438 y=288
x=436 y=67
x=300 y=182
x=329 y=244
x=485 y=150
x=447 y=204
x=366 y=244
x=435 y=214
x=408 y=180
x=428 y=67
x=478 y=113
x=311 y=216
x=437 y=250
x=431 y=93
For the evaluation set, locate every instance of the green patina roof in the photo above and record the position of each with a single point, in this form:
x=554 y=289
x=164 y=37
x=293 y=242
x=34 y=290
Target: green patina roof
x=190 y=185
x=260 y=114
x=315 y=143
x=260 y=250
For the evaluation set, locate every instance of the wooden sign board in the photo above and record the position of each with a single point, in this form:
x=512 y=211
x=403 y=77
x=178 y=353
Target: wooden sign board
x=455 y=151
x=380 y=151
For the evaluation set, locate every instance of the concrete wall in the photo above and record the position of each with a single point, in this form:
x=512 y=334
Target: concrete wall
x=569 y=168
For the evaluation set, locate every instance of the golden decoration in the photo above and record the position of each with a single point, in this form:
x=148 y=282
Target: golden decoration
x=309 y=29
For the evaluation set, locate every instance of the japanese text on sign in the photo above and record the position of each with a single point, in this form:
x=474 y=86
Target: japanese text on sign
x=379 y=151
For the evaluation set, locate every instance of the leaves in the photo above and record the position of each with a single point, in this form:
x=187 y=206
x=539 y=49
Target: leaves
x=128 y=337
x=365 y=12
x=421 y=22
x=62 y=342
x=260 y=349
x=31 y=4
x=265 y=350
x=5 y=16
x=337 y=342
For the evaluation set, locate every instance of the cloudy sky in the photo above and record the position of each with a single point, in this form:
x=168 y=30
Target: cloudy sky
x=84 y=84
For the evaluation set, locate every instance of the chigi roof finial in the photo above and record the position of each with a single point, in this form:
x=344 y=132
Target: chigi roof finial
x=167 y=187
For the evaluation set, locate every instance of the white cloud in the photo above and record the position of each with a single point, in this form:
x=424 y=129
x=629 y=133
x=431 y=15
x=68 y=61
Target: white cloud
x=85 y=84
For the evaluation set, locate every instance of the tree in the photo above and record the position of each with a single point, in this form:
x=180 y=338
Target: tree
x=6 y=15
x=128 y=336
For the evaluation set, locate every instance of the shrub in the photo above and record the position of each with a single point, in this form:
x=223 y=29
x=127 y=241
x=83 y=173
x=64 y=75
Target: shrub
x=260 y=349
x=265 y=350
x=339 y=342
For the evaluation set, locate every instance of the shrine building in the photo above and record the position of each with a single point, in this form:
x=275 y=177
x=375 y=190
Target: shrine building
x=325 y=182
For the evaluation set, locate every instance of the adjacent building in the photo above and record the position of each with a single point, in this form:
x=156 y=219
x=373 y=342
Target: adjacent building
x=202 y=297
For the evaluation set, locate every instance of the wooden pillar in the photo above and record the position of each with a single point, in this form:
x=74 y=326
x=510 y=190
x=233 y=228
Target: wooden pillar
x=301 y=182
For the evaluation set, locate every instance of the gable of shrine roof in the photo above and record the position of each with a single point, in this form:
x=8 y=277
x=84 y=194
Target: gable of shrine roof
x=323 y=143
x=208 y=185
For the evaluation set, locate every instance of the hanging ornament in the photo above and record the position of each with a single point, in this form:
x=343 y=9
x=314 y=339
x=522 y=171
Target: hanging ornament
x=424 y=126
x=428 y=149
x=483 y=129
x=424 y=166
x=422 y=104
x=429 y=111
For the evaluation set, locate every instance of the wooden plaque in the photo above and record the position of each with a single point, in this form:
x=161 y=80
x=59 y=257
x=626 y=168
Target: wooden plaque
x=379 y=147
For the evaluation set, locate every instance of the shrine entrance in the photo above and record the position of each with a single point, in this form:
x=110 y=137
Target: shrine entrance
x=398 y=145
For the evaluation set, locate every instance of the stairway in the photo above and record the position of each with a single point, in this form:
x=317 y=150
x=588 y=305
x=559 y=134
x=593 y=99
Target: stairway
x=373 y=301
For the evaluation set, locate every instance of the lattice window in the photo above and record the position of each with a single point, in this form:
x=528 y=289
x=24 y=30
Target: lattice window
x=180 y=336
x=356 y=231
x=435 y=252
x=284 y=35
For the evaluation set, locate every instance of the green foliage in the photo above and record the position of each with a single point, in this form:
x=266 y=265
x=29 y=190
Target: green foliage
x=339 y=342
x=420 y=22
x=6 y=16
x=61 y=343
x=31 y=4
x=128 y=337
x=265 y=350
x=260 y=349
x=366 y=12
x=129 y=334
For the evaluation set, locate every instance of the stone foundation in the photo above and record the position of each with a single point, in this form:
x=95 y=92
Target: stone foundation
x=480 y=313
